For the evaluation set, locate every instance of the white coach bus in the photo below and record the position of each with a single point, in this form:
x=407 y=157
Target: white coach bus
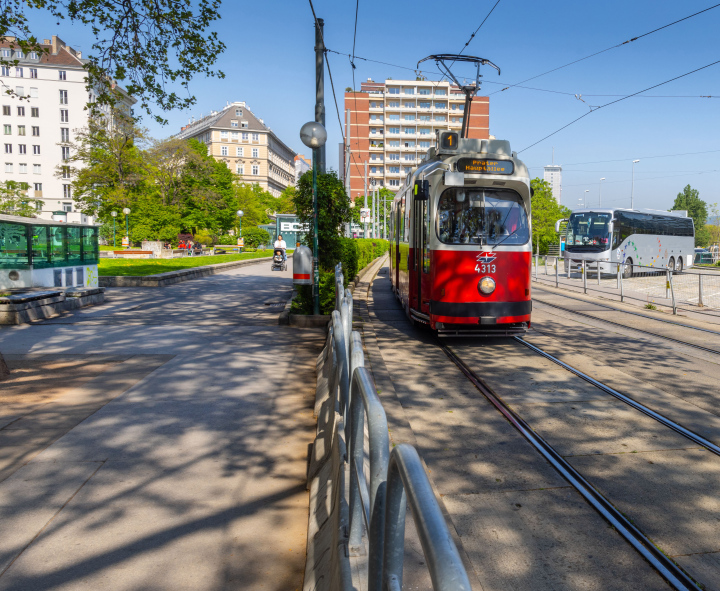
x=636 y=239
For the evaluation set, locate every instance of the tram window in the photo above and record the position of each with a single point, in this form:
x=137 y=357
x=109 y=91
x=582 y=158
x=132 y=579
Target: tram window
x=484 y=216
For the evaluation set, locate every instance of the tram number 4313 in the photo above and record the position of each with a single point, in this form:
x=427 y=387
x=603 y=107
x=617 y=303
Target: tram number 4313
x=484 y=268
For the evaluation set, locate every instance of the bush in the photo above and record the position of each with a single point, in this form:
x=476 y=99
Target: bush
x=255 y=236
x=203 y=237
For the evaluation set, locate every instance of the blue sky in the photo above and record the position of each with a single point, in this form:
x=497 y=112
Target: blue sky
x=269 y=63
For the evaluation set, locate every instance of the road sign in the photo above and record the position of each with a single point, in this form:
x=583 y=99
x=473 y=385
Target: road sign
x=365 y=215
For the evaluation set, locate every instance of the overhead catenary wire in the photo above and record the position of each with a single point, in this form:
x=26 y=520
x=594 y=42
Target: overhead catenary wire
x=641 y=158
x=609 y=48
x=617 y=101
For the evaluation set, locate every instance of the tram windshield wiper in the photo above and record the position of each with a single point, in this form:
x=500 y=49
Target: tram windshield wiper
x=503 y=240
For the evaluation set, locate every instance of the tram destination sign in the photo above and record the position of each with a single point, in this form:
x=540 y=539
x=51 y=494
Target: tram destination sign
x=485 y=166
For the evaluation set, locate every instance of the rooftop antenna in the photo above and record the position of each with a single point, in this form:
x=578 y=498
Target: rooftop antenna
x=470 y=90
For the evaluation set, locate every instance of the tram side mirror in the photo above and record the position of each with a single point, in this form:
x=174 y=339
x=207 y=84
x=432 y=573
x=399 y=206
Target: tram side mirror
x=422 y=190
x=557 y=224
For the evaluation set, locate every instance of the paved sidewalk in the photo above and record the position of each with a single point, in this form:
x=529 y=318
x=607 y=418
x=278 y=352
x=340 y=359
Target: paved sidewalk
x=187 y=468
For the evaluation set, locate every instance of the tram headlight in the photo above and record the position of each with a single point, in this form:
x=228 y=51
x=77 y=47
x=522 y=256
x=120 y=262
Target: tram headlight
x=486 y=285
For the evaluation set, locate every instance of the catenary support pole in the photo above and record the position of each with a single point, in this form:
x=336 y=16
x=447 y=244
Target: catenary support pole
x=365 y=226
x=320 y=87
x=347 y=164
x=316 y=268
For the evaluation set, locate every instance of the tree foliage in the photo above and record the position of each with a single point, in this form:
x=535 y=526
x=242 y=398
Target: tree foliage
x=545 y=212
x=334 y=211
x=689 y=200
x=147 y=45
x=14 y=200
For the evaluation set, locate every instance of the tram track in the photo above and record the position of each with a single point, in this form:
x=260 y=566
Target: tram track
x=640 y=330
x=672 y=572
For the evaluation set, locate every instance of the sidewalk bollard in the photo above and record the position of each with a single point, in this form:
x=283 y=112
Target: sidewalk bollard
x=546 y=265
x=667 y=283
x=700 y=291
x=557 y=271
x=598 y=272
x=620 y=278
x=584 y=273
x=672 y=292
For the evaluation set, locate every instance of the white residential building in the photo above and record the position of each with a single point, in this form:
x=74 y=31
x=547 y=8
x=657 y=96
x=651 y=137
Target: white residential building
x=553 y=175
x=40 y=119
x=302 y=165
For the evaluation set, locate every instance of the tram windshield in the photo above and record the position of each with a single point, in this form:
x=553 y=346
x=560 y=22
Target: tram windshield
x=482 y=216
x=588 y=231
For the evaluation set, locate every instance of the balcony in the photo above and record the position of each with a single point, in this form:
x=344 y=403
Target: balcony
x=408 y=148
x=377 y=147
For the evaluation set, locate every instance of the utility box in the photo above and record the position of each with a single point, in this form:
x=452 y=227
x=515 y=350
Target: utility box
x=302 y=266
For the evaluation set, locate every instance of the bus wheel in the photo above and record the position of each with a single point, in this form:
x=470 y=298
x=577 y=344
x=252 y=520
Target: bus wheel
x=671 y=264
x=627 y=269
x=679 y=264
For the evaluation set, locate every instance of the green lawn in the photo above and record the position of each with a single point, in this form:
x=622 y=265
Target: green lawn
x=136 y=267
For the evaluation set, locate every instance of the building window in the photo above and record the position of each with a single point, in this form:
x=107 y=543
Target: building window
x=238 y=113
x=62 y=75
x=393 y=103
x=424 y=144
x=241 y=169
x=22 y=168
x=38 y=189
x=245 y=136
x=37 y=168
x=440 y=118
x=8 y=148
x=394 y=117
x=33 y=55
x=393 y=183
x=441 y=105
x=233 y=124
x=424 y=91
x=6 y=109
x=424 y=105
x=223 y=135
x=223 y=151
x=21 y=130
x=393 y=130
x=67 y=206
x=64 y=134
x=408 y=130
x=393 y=156
x=440 y=92
x=424 y=131
x=409 y=117
x=424 y=118
x=33 y=92
x=20 y=90
x=63 y=97
x=6 y=53
x=7 y=129
x=67 y=192
x=409 y=157
x=18 y=72
x=64 y=116
x=255 y=153
x=393 y=169
x=255 y=169
x=19 y=54
x=22 y=149
x=256 y=137
x=393 y=91
x=21 y=111
x=36 y=150
x=240 y=151
x=8 y=167
x=35 y=130
x=234 y=135
x=66 y=172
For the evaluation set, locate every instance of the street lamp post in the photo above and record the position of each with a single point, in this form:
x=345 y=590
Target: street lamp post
x=585 y=197
x=600 y=192
x=240 y=214
x=632 y=186
x=114 y=215
x=126 y=211
x=314 y=136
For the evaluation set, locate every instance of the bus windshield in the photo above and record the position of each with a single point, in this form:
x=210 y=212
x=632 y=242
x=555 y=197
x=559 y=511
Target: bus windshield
x=482 y=216
x=588 y=232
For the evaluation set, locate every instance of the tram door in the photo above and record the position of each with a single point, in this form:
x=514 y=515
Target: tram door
x=419 y=249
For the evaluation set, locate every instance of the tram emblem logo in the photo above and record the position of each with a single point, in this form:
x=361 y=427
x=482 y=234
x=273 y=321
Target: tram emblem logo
x=486 y=257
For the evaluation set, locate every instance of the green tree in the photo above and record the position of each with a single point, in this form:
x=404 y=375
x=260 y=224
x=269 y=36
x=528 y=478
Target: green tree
x=147 y=44
x=334 y=211
x=689 y=200
x=545 y=212
x=14 y=200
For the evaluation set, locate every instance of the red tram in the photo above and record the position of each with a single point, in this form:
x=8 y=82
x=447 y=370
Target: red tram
x=460 y=239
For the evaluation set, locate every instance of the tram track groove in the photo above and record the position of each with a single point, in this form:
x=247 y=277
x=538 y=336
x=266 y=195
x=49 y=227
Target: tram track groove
x=640 y=330
x=671 y=571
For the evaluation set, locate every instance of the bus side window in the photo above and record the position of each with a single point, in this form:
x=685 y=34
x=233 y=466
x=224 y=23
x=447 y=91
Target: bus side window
x=616 y=238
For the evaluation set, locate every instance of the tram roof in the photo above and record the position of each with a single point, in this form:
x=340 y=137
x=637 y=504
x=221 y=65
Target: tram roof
x=610 y=210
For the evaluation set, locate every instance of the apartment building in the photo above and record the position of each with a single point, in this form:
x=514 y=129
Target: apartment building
x=302 y=165
x=39 y=120
x=553 y=175
x=393 y=123
x=236 y=136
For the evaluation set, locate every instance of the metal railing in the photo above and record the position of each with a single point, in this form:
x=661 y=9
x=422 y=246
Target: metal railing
x=397 y=477
x=690 y=289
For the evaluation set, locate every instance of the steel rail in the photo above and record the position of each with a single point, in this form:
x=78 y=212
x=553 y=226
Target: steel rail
x=647 y=332
x=680 y=324
x=662 y=419
x=664 y=565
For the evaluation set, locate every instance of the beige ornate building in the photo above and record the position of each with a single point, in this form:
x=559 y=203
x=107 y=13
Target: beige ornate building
x=248 y=146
